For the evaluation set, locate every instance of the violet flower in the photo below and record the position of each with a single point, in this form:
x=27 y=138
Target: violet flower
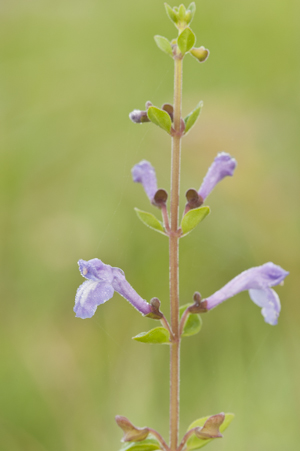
x=258 y=281
x=222 y=166
x=102 y=281
x=144 y=173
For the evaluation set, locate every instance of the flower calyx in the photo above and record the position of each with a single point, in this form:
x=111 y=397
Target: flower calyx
x=198 y=306
x=194 y=200
x=131 y=432
x=155 y=311
x=140 y=116
x=201 y=53
x=160 y=198
x=211 y=427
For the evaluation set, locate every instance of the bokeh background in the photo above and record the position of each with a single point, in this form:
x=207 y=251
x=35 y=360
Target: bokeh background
x=71 y=71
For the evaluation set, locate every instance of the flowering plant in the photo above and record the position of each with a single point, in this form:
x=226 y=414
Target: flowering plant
x=103 y=280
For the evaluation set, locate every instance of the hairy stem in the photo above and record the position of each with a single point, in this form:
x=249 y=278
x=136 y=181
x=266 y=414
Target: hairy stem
x=174 y=260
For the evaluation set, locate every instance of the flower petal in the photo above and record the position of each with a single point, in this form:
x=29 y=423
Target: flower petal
x=89 y=295
x=121 y=285
x=258 y=281
x=144 y=173
x=102 y=281
x=222 y=166
x=269 y=300
x=95 y=269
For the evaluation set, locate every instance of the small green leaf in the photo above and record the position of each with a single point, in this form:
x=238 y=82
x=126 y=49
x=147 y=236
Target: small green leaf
x=193 y=323
x=192 y=7
x=163 y=44
x=182 y=12
x=171 y=13
x=150 y=220
x=158 y=335
x=186 y=40
x=192 y=219
x=160 y=117
x=195 y=442
x=146 y=445
x=191 y=118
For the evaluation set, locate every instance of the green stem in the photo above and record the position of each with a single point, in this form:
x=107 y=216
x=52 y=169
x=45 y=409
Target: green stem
x=174 y=260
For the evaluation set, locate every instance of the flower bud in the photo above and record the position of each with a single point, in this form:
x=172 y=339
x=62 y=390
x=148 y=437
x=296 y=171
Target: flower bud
x=169 y=109
x=193 y=198
x=160 y=198
x=131 y=433
x=211 y=427
x=200 y=53
x=155 y=312
x=138 y=116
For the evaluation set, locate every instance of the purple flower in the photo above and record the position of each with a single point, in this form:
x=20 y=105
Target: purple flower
x=258 y=281
x=102 y=281
x=144 y=173
x=222 y=166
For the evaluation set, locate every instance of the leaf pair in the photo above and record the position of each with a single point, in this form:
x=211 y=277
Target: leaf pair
x=190 y=220
x=160 y=335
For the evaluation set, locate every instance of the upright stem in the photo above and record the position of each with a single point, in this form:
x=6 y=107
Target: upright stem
x=174 y=261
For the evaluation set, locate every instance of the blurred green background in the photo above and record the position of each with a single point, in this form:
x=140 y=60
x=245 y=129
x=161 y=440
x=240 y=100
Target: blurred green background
x=71 y=71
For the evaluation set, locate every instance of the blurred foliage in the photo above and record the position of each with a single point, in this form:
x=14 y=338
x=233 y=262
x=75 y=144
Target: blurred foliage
x=71 y=71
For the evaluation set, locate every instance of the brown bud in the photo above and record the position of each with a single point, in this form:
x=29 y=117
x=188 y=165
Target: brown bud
x=198 y=306
x=155 y=313
x=160 y=198
x=193 y=198
x=211 y=427
x=169 y=109
x=131 y=433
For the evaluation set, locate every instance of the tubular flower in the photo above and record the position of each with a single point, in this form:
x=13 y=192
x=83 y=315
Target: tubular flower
x=222 y=166
x=258 y=281
x=102 y=281
x=144 y=173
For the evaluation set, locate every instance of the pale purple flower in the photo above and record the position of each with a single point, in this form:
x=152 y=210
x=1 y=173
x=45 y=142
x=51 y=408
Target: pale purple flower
x=144 y=173
x=258 y=281
x=222 y=166
x=102 y=281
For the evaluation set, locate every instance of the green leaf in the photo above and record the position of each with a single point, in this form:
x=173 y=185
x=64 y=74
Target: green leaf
x=192 y=219
x=192 y=7
x=150 y=220
x=158 y=335
x=171 y=13
x=191 y=118
x=146 y=445
x=186 y=40
x=195 y=442
x=193 y=323
x=160 y=117
x=182 y=12
x=163 y=44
